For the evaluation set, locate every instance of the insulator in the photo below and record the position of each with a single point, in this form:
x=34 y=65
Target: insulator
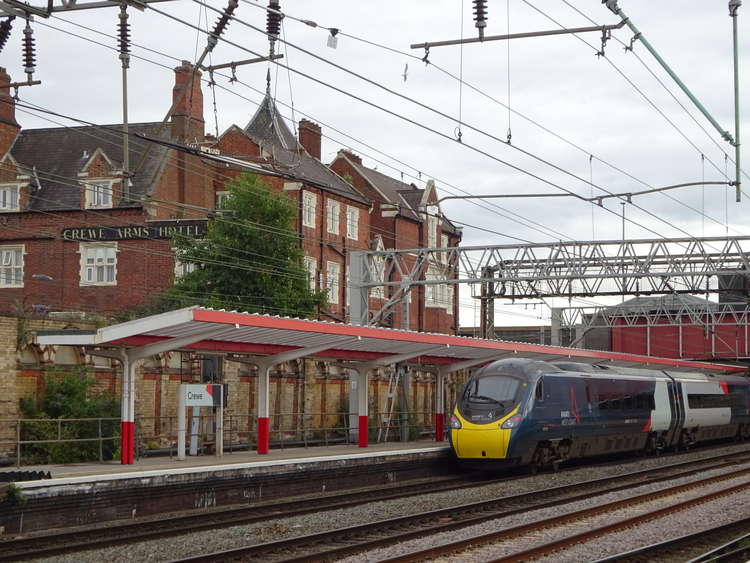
x=5 y=28
x=480 y=14
x=223 y=21
x=273 y=18
x=123 y=32
x=29 y=55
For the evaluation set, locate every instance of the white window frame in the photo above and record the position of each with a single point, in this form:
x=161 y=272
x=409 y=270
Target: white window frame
x=221 y=197
x=9 y=264
x=333 y=281
x=181 y=269
x=333 y=215
x=10 y=198
x=432 y=223
x=352 y=222
x=91 y=269
x=444 y=244
x=309 y=208
x=311 y=267
x=99 y=194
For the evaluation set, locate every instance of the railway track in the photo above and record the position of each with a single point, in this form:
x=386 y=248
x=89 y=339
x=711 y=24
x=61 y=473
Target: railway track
x=524 y=534
x=727 y=543
x=355 y=539
x=77 y=540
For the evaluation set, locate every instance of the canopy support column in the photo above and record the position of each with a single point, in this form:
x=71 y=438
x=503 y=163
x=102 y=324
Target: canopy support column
x=265 y=365
x=363 y=370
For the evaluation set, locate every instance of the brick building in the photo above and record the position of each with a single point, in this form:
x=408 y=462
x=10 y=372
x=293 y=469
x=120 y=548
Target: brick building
x=76 y=236
x=405 y=216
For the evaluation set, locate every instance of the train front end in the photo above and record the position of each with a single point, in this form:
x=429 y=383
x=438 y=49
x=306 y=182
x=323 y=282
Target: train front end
x=488 y=412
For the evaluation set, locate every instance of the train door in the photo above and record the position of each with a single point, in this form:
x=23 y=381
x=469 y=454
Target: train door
x=677 y=411
x=662 y=411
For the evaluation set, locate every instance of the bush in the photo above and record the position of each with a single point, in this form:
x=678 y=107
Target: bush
x=69 y=396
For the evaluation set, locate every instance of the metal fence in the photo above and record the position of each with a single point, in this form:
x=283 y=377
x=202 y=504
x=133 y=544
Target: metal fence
x=40 y=441
x=37 y=439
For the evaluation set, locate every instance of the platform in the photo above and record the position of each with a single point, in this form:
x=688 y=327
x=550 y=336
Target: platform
x=147 y=467
x=79 y=494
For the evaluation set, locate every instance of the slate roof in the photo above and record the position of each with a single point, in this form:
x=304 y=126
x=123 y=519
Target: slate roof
x=407 y=196
x=60 y=153
x=267 y=128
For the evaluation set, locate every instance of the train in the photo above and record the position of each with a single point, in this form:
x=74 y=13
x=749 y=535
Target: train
x=524 y=412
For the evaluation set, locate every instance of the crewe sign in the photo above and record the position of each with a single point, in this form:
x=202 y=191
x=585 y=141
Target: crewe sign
x=203 y=395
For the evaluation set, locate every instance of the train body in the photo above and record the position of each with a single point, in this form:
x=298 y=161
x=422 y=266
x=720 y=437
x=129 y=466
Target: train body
x=522 y=411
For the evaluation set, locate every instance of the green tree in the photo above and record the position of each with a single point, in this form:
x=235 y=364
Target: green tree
x=250 y=260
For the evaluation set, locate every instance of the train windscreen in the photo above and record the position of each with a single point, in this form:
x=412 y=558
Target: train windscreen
x=488 y=398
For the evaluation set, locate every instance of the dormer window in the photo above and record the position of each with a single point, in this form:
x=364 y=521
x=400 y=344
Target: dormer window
x=9 y=198
x=98 y=194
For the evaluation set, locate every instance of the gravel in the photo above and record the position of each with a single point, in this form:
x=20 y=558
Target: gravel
x=225 y=538
x=543 y=536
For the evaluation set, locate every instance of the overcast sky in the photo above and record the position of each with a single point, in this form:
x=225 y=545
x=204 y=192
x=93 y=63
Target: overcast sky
x=556 y=81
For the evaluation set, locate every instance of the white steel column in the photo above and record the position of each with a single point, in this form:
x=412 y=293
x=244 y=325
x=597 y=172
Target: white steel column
x=265 y=365
x=264 y=373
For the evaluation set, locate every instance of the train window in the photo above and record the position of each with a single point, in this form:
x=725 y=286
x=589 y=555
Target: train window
x=614 y=404
x=588 y=393
x=651 y=402
x=539 y=391
x=495 y=388
x=627 y=403
x=714 y=401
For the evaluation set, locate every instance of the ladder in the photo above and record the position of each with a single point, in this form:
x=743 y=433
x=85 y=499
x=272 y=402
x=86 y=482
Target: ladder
x=394 y=378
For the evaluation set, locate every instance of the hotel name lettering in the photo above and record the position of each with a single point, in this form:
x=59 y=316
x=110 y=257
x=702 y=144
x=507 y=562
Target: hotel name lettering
x=134 y=232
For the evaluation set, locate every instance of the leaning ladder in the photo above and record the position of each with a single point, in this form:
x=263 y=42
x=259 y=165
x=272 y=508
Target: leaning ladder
x=390 y=404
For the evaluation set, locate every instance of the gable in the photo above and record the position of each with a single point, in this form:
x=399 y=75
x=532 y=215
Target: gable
x=234 y=141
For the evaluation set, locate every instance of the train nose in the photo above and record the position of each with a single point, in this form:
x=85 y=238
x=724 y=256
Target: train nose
x=482 y=442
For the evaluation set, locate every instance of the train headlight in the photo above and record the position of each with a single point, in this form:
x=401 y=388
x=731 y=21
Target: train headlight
x=454 y=422
x=512 y=422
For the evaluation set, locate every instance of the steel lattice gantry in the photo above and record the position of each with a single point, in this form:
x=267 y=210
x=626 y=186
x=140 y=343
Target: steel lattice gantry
x=556 y=269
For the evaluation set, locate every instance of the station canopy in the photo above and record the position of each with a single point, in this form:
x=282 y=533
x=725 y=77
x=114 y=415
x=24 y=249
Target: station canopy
x=246 y=334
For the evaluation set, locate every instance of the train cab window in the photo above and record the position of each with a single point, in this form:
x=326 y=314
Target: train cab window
x=640 y=401
x=493 y=388
x=539 y=391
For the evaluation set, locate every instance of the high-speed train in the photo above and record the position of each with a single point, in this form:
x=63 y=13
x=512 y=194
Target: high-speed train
x=527 y=412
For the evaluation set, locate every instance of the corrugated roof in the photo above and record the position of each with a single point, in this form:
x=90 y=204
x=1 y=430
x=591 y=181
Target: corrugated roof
x=198 y=328
x=60 y=153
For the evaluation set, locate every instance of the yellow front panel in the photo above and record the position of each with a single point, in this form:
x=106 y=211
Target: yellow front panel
x=474 y=439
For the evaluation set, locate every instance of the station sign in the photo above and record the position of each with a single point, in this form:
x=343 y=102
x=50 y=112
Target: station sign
x=205 y=394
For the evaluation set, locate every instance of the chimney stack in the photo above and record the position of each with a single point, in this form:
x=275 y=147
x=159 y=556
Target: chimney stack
x=309 y=137
x=187 y=118
x=351 y=156
x=8 y=125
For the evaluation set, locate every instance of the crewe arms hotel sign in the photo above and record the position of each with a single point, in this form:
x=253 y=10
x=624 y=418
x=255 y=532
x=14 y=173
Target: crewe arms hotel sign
x=154 y=230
